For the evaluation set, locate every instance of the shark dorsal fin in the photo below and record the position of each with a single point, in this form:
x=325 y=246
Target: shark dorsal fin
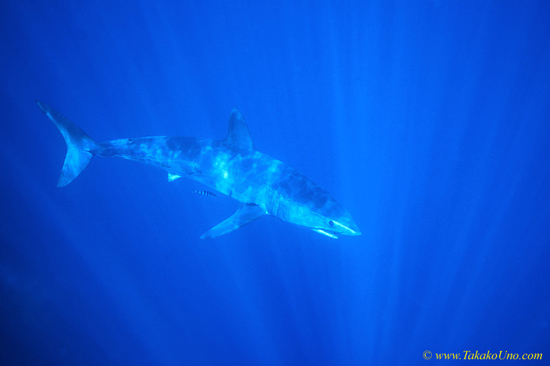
x=238 y=134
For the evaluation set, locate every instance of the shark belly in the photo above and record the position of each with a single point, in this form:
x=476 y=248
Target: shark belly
x=240 y=174
x=176 y=155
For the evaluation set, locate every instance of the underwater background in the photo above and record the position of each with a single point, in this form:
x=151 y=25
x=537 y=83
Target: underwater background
x=429 y=121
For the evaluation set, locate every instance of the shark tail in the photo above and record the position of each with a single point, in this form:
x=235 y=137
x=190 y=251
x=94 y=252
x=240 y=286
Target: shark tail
x=80 y=146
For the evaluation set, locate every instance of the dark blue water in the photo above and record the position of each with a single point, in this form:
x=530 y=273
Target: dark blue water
x=428 y=120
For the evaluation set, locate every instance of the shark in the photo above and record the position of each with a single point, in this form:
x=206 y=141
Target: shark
x=233 y=166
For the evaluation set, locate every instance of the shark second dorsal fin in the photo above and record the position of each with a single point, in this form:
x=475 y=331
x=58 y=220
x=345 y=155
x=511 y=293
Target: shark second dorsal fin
x=238 y=134
x=246 y=213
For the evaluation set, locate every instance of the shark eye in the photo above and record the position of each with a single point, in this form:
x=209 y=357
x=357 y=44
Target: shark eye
x=331 y=223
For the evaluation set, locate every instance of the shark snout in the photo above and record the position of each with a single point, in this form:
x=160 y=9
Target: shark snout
x=353 y=230
x=347 y=227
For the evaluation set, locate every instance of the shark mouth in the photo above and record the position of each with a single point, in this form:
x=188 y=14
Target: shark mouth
x=327 y=233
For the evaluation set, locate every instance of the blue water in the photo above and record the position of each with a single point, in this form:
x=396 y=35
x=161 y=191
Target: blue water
x=428 y=120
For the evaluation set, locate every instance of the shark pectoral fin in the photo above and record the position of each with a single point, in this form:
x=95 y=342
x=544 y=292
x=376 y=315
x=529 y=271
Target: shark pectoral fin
x=173 y=177
x=245 y=214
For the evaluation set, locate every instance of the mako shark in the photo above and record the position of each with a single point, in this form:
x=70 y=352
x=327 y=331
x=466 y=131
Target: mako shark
x=263 y=185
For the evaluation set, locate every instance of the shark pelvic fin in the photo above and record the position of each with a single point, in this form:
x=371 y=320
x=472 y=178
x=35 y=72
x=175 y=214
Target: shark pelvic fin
x=245 y=214
x=238 y=134
x=173 y=177
x=79 y=145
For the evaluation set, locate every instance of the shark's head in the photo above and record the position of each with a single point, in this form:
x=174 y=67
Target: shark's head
x=344 y=225
x=330 y=219
x=304 y=203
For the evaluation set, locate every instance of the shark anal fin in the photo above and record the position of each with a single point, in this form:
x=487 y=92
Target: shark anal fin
x=245 y=214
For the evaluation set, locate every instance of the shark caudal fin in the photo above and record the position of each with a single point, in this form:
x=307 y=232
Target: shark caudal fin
x=79 y=145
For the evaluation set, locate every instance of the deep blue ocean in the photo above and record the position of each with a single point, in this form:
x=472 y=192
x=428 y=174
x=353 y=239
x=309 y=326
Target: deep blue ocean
x=429 y=121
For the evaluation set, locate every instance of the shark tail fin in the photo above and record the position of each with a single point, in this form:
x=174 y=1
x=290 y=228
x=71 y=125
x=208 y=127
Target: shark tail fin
x=80 y=146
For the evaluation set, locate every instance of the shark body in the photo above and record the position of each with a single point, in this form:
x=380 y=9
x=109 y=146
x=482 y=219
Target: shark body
x=263 y=185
